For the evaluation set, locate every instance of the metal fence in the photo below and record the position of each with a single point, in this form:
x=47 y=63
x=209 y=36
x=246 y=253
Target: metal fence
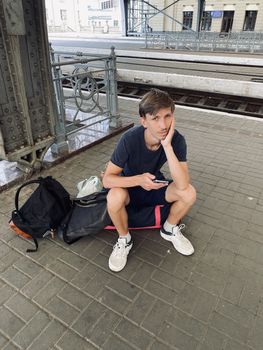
x=80 y=72
x=251 y=42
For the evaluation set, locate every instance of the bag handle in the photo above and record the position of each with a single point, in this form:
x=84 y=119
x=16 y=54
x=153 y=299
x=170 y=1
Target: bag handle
x=38 y=181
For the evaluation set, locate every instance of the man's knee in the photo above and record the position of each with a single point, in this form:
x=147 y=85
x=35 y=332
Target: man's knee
x=117 y=197
x=189 y=195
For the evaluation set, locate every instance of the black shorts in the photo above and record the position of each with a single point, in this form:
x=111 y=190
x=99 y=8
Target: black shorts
x=142 y=198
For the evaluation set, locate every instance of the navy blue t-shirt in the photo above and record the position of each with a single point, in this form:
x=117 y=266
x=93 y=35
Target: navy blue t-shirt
x=133 y=156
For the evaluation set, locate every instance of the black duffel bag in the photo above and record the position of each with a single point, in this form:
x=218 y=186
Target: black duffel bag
x=87 y=216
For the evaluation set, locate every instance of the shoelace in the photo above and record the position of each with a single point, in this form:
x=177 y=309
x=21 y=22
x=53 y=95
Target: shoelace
x=180 y=227
x=119 y=248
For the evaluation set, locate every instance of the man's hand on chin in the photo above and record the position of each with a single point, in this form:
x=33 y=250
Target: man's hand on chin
x=168 y=139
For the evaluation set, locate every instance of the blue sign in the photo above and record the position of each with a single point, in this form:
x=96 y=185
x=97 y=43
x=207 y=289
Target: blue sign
x=216 y=14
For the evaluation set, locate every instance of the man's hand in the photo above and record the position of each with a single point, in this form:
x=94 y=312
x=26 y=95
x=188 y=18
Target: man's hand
x=167 y=141
x=146 y=182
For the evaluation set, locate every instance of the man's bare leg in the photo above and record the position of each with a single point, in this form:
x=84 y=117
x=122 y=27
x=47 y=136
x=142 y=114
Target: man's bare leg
x=182 y=202
x=117 y=200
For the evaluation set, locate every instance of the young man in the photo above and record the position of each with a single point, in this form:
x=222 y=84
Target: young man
x=135 y=166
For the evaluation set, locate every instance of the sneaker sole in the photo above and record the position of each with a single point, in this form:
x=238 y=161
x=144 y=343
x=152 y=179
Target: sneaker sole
x=168 y=238
x=114 y=268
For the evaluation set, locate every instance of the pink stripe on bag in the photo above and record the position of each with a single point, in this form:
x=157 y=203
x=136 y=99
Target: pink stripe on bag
x=157 y=213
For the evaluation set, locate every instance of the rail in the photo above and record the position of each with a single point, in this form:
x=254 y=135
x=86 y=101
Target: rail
x=84 y=95
x=251 y=42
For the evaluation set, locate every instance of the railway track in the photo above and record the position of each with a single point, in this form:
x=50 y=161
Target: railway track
x=250 y=107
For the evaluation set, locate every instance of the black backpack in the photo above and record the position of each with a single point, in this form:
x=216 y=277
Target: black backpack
x=43 y=211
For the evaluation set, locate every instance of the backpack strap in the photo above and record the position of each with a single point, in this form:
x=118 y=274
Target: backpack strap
x=36 y=245
x=38 y=181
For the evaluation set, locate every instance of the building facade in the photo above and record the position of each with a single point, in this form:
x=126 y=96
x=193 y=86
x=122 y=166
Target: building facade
x=107 y=16
x=217 y=16
x=91 y=16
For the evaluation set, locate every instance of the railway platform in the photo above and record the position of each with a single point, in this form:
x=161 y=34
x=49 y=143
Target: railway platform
x=64 y=297
x=196 y=71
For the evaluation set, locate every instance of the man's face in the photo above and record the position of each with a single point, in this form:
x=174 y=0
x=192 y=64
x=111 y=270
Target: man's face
x=159 y=124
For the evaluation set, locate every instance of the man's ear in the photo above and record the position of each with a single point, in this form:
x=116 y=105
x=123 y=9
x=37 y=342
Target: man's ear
x=143 y=122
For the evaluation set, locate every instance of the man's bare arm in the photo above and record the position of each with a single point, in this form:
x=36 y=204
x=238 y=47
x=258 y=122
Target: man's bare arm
x=112 y=179
x=178 y=170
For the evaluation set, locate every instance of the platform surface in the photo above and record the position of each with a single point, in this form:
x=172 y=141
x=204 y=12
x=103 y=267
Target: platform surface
x=64 y=297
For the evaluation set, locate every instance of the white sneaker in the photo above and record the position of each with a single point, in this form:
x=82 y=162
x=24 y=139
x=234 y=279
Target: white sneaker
x=118 y=257
x=180 y=242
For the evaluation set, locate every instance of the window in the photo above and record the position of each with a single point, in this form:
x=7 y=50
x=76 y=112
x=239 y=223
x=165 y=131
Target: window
x=206 y=21
x=250 y=20
x=187 y=20
x=106 y=4
x=115 y=23
x=63 y=15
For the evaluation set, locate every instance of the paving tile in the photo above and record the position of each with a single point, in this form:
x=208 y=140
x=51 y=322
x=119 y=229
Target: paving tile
x=10 y=346
x=74 y=297
x=155 y=319
x=89 y=318
x=213 y=340
x=49 y=337
x=49 y=291
x=37 y=283
x=28 y=267
x=123 y=287
x=233 y=289
x=256 y=335
x=142 y=274
x=21 y=306
x=63 y=311
x=83 y=277
x=133 y=335
x=235 y=312
x=113 y=300
x=3 y=341
x=168 y=280
x=148 y=256
x=140 y=308
x=73 y=260
x=157 y=345
x=103 y=328
x=115 y=343
x=62 y=270
x=186 y=323
x=196 y=302
x=178 y=338
x=6 y=292
x=31 y=330
x=10 y=324
x=8 y=260
x=14 y=277
x=161 y=291
x=71 y=341
x=229 y=327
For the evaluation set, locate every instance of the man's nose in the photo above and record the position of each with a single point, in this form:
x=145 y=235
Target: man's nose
x=162 y=124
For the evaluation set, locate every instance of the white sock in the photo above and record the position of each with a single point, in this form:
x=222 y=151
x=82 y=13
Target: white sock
x=168 y=227
x=127 y=237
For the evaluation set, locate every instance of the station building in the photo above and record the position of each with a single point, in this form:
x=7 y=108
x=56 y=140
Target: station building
x=216 y=16
x=136 y=16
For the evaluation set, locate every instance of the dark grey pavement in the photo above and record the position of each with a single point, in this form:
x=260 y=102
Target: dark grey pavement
x=65 y=298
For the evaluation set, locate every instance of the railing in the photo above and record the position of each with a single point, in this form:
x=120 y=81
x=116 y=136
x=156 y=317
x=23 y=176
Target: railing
x=80 y=71
x=206 y=41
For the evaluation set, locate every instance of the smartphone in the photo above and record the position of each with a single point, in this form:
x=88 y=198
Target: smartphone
x=161 y=182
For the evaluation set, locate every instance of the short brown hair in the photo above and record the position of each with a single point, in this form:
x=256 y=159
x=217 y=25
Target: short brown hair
x=153 y=101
